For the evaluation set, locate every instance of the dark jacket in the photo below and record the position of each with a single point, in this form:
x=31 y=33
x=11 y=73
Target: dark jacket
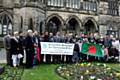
x=57 y=39
x=21 y=44
x=7 y=42
x=34 y=40
x=29 y=44
x=14 y=46
x=46 y=38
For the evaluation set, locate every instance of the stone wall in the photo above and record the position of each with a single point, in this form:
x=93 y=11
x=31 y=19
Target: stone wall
x=40 y=13
x=65 y=16
x=26 y=13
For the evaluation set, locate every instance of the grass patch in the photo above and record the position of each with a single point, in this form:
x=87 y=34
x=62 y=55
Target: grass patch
x=47 y=72
x=41 y=72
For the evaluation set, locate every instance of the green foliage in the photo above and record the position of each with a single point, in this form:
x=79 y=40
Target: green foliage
x=48 y=71
x=12 y=73
x=88 y=71
x=41 y=72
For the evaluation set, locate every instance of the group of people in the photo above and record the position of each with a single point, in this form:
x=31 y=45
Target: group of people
x=110 y=47
x=109 y=44
x=19 y=44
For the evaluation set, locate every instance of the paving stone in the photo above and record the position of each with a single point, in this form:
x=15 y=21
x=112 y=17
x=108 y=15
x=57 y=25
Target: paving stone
x=2 y=56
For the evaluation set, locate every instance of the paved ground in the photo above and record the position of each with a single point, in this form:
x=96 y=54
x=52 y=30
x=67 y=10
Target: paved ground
x=2 y=56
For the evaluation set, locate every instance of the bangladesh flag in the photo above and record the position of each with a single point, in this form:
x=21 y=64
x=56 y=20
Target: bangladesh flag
x=91 y=49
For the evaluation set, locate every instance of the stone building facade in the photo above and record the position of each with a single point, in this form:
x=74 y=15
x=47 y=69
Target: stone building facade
x=76 y=16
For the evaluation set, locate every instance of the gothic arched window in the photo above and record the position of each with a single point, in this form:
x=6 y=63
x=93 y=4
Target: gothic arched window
x=5 y=24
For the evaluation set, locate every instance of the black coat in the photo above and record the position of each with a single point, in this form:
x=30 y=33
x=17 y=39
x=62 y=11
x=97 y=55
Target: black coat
x=46 y=38
x=21 y=45
x=34 y=40
x=76 y=48
x=14 y=46
x=29 y=46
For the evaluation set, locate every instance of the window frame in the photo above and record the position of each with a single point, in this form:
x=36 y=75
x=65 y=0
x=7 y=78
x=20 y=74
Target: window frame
x=5 y=26
x=113 y=8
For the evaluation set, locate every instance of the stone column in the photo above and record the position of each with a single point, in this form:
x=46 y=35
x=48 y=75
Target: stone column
x=119 y=7
x=16 y=20
x=25 y=19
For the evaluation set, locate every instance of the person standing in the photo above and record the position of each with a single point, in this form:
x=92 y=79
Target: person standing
x=57 y=39
x=69 y=40
x=115 y=47
x=36 y=40
x=14 y=49
x=7 y=46
x=106 y=54
x=21 y=47
x=108 y=43
x=75 y=57
x=46 y=37
x=29 y=47
x=51 y=40
x=46 y=58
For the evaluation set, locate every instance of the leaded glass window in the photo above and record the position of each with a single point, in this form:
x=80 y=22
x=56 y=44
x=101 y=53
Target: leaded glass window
x=90 y=6
x=5 y=24
x=113 y=7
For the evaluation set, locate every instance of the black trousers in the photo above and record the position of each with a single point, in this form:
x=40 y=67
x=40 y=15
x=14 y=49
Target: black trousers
x=29 y=58
x=8 y=56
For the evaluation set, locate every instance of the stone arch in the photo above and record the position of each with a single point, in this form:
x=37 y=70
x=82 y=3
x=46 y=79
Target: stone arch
x=54 y=22
x=90 y=24
x=75 y=17
x=77 y=23
x=55 y=15
x=6 y=22
x=9 y=14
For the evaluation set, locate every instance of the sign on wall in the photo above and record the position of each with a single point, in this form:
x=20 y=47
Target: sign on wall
x=57 y=48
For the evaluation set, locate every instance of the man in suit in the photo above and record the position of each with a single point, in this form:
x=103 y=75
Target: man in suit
x=7 y=46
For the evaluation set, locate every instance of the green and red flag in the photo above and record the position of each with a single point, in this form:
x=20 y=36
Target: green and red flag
x=91 y=49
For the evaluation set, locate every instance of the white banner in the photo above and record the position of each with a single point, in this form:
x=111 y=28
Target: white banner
x=57 y=48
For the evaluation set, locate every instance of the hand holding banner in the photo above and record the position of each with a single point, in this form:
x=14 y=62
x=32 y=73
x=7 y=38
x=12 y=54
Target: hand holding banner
x=57 y=48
